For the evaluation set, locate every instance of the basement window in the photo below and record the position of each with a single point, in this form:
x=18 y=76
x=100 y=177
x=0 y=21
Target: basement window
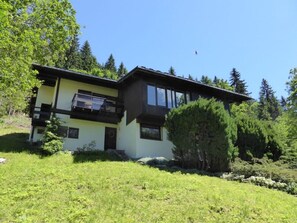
x=150 y=132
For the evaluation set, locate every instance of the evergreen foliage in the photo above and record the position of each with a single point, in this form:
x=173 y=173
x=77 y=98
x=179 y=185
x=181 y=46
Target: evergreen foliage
x=73 y=58
x=51 y=140
x=252 y=137
x=171 y=71
x=206 y=80
x=110 y=64
x=269 y=106
x=190 y=77
x=236 y=83
x=122 y=70
x=208 y=142
x=88 y=61
x=292 y=105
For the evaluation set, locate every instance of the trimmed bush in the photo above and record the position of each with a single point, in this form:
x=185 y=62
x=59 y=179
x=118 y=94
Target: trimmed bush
x=275 y=145
x=252 y=138
x=203 y=134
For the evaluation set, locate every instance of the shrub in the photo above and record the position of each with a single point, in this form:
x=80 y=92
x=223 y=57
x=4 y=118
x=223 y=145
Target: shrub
x=275 y=145
x=87 y=147
x=252 y=138
x=51 y=142
x=203 y=134
x=53 y=146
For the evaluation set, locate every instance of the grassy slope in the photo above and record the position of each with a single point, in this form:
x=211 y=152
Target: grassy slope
x=60 y=189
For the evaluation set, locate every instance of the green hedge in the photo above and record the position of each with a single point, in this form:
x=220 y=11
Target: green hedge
x=203 y=134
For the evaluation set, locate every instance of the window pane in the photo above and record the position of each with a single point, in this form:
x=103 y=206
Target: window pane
x=150 y=132
x=180 y=98
x=188 y=97
x=62 y=131
x=161 y=96
x=73 y=133
x=173 y=99
x=169 y=99
x=151 y=95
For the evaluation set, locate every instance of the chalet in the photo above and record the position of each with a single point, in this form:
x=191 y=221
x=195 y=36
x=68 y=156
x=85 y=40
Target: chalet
x=127 y=114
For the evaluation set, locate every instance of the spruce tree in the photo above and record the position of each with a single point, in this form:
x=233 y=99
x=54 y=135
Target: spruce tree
x=269 y=107
x=73 y=59
x=171 y=71
x=190 y=77
x=238 y=85
x=206 y=80
x=110 y=64
x=122 y=69
x=88 y=61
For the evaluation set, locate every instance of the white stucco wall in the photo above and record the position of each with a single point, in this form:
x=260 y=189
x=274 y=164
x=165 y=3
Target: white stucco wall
x=135 y=147
x=45 y=95
x=154 y=148
x=68 y=88
x=126 y=137
x=36 y=136
x=88 y=131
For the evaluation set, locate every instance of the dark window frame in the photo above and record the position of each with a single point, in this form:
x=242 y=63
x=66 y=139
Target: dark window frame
x=76 y=136
x=157 y=101
x=187 y=97
x=63 y=131
x=142 y=136
x=147 y=94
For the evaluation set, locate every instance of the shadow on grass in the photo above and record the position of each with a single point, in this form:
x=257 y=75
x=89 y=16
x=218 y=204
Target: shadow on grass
x=17 y=143
x=93 y=156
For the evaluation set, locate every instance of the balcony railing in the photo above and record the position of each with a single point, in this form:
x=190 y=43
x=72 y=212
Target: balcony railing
x=84 y=102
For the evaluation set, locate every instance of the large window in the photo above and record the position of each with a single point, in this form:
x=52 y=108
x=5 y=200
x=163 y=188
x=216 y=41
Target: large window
x=180 y=98
x=151 y=95
x=159 y=96
x=169 y=99
x=150 y=132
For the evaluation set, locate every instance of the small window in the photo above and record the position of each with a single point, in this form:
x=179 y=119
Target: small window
x=150 y=132
x=73 y=133
x=151 y=95
x=40 y=131
x=62 y=131
x=161 y=96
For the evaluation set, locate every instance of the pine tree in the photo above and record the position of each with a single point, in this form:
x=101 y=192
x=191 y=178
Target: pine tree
x=269 y=107
x=283 y=103
x=206 y=80
x=171 y=71
x=122 y=69
x=110 y=64
x=190 y=77
x=73 y=59
x=216 y=81
x=238 y=85
x=292 y=106
x=88 y=61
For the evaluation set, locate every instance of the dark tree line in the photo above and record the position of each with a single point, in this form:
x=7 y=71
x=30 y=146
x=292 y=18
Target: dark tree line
x=82 y=59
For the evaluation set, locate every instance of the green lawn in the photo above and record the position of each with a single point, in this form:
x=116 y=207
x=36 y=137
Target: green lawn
x=66 y=188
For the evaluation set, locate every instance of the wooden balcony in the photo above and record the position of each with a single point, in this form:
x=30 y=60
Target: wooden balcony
x=40 y=116
x=96 y=108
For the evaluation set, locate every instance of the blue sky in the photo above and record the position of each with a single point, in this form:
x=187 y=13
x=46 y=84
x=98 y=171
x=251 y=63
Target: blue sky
x=257 y=37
